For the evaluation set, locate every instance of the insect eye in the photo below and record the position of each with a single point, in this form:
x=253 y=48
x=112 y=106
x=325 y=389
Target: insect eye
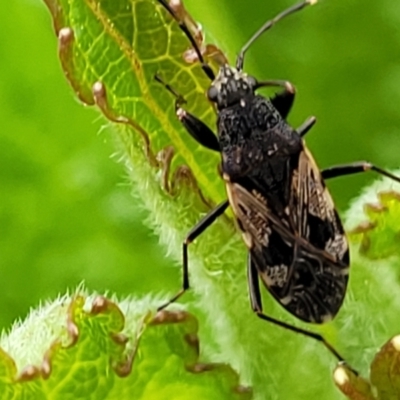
x=212 y=93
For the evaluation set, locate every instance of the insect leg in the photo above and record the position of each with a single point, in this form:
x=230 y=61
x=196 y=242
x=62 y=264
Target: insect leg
x=200 y=227
x=282 y=101
x=185 y=29
x=256 y=305
x=354 y=168
x=307 y=125
x=254 y=286
x=195 y=127
x=198 y=130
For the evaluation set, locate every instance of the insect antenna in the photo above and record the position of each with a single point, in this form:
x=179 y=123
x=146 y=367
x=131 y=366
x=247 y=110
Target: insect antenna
x=184 y=28
x=269 y=24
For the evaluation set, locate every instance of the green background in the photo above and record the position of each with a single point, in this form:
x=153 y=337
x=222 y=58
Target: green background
x=66 y=210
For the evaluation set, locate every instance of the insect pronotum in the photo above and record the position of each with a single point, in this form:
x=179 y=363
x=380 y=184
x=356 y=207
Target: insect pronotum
x=296 y=242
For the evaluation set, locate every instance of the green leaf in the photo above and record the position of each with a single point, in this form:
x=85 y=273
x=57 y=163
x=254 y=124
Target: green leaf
x=111 y=52
x=95 y=355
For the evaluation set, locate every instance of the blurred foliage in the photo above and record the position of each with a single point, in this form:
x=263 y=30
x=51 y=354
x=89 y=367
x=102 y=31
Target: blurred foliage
x=66 y=214
x=112 y=350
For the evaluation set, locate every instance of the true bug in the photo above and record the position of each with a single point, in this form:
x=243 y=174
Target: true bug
x=296 y=242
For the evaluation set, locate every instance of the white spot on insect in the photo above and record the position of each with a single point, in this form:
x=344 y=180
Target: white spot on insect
x=272 y=150
x=287 y=210
x=286 y=300
x=180 y=113
x=247 y=239
x=242 y=103
x=226 y=74
x=277 y=276
x=226 y=178
x=238 y=75
x=337 y=246
x=265 y=239
x=345 y=271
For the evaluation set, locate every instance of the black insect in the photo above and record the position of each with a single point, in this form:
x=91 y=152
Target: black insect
x=297 y=245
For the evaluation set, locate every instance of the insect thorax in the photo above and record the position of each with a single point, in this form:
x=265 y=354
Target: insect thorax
x=252 y=135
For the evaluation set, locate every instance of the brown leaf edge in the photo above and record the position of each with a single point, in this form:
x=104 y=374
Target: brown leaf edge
x=122 y=366
x=384 y=381
x=353 y=386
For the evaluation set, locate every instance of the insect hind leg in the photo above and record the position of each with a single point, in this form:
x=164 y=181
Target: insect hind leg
x=199 y=228
x=256 y=305
x=185 y=29
x=355 y=168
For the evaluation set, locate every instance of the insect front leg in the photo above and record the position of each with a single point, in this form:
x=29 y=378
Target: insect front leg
x=198 y=130
x=256 y=305
x=195 y=127
x=192 y=235
x=355 y=168
x=282 y=101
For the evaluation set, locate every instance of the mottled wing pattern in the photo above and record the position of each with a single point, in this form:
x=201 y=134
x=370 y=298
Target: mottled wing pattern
x=316 y=218
x=302 y=255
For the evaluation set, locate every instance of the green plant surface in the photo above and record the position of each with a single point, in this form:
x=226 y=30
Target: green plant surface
x=344 y=75
x=98 y=351
x=377 y=234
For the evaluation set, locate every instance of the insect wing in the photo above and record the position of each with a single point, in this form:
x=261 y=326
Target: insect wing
x=301 y=256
